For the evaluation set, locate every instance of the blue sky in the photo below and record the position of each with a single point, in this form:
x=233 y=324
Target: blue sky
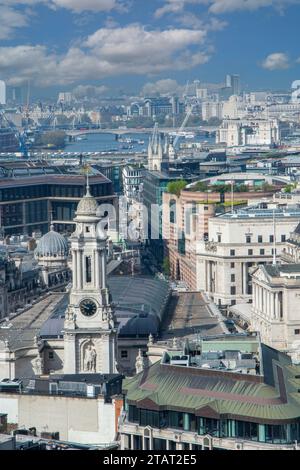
x=125 y=44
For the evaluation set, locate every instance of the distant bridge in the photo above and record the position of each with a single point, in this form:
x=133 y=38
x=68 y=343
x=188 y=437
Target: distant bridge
x=78 y=132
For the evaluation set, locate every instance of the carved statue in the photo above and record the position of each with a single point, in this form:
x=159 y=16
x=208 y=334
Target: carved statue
x=140 y=363
x=38 y=365
x=90 y=359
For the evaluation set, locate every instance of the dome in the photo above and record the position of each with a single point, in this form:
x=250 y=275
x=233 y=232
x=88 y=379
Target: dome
x=87 y=205
x=52 y=244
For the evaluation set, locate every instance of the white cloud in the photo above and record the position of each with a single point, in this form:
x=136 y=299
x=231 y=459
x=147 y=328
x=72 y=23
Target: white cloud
x=276 y=61
x=74 y=5
x=223 y=6
x=165 y=86
x=108 y=52
x=90 y=91
x=10 y=19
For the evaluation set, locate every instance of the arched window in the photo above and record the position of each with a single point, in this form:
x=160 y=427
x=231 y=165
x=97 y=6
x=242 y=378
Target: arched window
x=172 y=207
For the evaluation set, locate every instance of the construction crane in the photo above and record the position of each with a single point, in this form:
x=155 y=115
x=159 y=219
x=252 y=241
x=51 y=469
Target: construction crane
x=20 y=136
x=182 y=127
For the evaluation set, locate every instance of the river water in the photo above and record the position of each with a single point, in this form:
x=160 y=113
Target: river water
x=109 y=143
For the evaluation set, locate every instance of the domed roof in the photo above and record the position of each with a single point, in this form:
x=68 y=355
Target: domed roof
x=52 y=244
x=87 y=205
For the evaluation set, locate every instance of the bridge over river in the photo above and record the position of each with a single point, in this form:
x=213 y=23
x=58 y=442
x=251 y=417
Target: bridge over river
x=78 y=132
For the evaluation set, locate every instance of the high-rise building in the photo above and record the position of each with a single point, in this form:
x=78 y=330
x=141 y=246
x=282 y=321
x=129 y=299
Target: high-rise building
x=2 y=92
x=234 y=82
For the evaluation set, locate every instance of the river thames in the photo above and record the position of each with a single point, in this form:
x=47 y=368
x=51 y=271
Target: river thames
x=127 y=143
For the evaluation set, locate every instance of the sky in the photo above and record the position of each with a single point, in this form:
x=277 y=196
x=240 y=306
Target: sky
x=134 y=45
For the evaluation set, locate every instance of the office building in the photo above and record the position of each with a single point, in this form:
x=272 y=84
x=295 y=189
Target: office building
x=32 y=196
x=243 y=132
x=234 y=82
x=275 y=314
x=2 y=93
x=239 y=242
x=214 y=401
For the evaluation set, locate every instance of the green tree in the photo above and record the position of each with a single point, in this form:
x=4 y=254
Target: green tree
x=52 y=138
x=201 y=186
x=175 y=187
x=166 y=266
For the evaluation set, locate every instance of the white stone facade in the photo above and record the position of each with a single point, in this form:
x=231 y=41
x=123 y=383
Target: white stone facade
x=275 y=309
x=236 y=245
x=236 y=132
x=90 y=334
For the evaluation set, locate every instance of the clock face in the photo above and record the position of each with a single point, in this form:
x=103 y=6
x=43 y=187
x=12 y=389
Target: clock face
x=88 y=308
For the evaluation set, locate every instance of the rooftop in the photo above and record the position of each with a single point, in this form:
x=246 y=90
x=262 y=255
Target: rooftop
x=257 y=212
x=20 y=332
x=271 y=398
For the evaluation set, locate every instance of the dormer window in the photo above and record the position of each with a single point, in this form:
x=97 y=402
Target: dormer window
x=87 y=229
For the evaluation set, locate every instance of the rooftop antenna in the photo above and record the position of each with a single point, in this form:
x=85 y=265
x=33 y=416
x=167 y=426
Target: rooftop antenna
x=274 y=239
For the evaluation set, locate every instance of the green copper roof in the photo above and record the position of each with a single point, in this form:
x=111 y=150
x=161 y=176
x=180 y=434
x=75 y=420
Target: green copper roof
x=190 y=389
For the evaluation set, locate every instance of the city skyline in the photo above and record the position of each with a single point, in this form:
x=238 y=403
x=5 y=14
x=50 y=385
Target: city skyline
x=105 y=43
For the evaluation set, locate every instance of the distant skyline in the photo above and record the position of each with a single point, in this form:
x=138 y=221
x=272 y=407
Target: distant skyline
x=125 y=44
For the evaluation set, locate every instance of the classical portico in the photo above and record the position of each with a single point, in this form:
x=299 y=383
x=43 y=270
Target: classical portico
x=89 y=329
x=276 y=294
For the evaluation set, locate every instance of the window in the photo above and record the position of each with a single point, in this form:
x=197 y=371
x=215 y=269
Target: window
x=232 y=252
x=51 y=355
x=247 y=430
x=124 y=354
x=149 y=418
x=271 y=238
x=232 y=277
x=297 y=332
x=248 y=239
x=232 y=265
x=88 y=269
x=233 y=290
x=283 y=238
x=262 y=252
x=133 y=414
x=176 y=420
x=250 y=252
x=219 y=238
x=87 y=229
x=259 y=238
x=172 y=211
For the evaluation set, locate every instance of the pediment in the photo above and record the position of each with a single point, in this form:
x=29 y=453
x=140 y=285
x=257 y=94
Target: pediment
x=260 y=275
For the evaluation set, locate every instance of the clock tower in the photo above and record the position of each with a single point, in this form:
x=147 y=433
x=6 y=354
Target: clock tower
x=89 y=328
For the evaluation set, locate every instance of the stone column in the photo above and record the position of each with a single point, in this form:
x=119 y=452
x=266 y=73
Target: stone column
x=97 y=270
x=245 y=276
x=103 y=264
x=79 y=270
x=276 y=306
x=74 y=269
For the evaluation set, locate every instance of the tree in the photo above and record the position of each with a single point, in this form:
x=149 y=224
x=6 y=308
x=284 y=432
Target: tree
x=201 y=186
x=52 y=138
x=175 y=187
x=166 y=266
